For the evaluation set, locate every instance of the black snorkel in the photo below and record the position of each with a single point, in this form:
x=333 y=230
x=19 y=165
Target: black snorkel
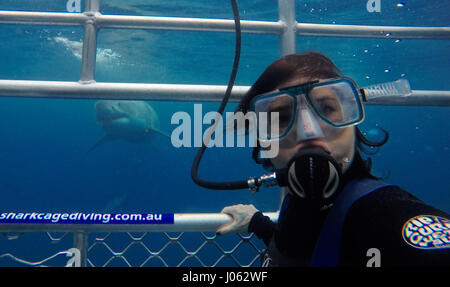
x=253 y=183
x=242 y=184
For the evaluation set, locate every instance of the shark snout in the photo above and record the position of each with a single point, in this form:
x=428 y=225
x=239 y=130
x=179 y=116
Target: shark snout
x=107 y=111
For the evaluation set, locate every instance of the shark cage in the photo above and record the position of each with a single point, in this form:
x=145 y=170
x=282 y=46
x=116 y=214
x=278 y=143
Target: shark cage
x=79 y=244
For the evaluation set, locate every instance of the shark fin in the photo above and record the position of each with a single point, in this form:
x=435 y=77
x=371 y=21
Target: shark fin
x=102 y=140
x=160 y=133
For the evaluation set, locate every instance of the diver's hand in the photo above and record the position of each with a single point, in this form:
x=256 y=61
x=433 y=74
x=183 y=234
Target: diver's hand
x=241 y=214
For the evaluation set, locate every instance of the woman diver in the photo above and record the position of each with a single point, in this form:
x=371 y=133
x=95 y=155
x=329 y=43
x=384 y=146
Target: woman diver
x=334 y=212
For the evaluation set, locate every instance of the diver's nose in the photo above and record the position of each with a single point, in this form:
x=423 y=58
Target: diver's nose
x=308 y=127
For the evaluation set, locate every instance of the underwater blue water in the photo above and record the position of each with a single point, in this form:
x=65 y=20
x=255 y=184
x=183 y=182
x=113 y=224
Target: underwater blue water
x=43 y=142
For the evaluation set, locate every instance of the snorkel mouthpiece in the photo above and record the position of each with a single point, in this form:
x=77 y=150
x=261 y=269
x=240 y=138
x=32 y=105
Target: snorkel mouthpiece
x=399 y=88
x=314 y=176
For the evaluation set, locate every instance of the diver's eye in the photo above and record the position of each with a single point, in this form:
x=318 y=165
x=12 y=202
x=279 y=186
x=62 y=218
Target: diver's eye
x=285 y=118
x=284 y=114
x=327 y=109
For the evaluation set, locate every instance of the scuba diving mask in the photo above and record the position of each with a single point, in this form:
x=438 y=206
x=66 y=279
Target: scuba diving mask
x=337 y=102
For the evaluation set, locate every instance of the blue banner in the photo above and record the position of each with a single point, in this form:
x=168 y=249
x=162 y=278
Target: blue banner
x=86 y=218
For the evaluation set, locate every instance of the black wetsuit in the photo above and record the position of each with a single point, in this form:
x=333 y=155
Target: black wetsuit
x=377 y=220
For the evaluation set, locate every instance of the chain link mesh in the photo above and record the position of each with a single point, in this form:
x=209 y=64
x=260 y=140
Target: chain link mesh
x=149 y=249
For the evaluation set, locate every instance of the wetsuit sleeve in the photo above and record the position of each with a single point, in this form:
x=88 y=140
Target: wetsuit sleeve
x=262 y=226
x=404 y=230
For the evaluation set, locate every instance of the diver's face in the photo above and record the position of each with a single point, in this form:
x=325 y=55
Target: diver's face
x=339 y=142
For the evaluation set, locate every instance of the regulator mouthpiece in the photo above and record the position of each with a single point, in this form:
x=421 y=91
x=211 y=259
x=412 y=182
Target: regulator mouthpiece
x=314 y=176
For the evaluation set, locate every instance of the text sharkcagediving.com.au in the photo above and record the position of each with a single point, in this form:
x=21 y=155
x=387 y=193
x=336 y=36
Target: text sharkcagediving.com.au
x=86 y=218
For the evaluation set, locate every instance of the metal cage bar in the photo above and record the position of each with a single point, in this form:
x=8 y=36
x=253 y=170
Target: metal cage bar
x=286 y=13
x=89 y=49
x=137 y=22
x=183 y=222
x=173 y=92
x=364 y=31
x=221 y=25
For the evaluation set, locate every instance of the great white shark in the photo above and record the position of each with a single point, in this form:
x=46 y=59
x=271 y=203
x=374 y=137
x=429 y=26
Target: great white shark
x=133 y=121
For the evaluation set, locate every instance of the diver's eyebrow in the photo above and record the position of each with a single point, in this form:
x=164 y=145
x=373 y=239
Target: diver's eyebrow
x=280 y=107
x=325 y=98
x=301 y=86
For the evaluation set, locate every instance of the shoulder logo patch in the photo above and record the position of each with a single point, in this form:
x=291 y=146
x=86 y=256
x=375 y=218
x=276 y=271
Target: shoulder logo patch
x=427 y=232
